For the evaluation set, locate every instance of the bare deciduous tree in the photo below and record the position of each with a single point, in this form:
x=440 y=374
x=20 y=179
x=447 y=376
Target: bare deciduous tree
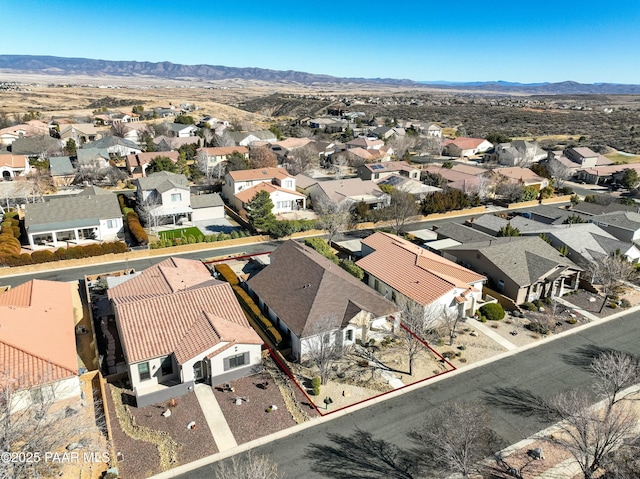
x=613 y=372
x=223 y=140
x=455 y=438
x=589 y=433
x=332 y=217
x=419 y=324
x=31 y=421
x=324 y=348
x=610 y=273
x=402 y=209
x=558 y=171
x=246 y=466
x=302 y=160
x=119 y=129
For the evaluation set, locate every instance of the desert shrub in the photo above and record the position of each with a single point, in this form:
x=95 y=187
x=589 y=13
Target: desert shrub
x=625 y=303
x=492 y=311
x=572 y=321
x=42 y=256
x=315 y=386
x=612 y=305
x=322 y=247
x=528 y=306
x=537 y=328
x=449 y=355
x=352 y=268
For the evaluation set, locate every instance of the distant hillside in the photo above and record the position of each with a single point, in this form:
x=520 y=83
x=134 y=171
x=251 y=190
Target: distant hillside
x=561 y=88
x=167 y=70
x=48 y=65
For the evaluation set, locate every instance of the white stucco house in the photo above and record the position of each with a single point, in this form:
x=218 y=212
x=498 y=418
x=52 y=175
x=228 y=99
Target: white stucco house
x=38 y=358
x=12 y=166
x=179 y=326
x=93 y=215
x=166 y=195
x=242 y=185
x=401 y=270
x=307 y=297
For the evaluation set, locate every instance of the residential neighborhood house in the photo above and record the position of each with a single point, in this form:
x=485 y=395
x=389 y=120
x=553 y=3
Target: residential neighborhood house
x=179 y=326
x=307 y=295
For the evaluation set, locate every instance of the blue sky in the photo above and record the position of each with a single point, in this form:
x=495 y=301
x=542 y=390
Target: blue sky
x=518 y=40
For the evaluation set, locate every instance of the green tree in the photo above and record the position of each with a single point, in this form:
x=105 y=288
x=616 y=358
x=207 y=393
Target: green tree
x=237 y=161
x=573 y=219
x=260 y=211
x=508 y=230
x=70 y=147
x=138 y=109
x=529 y=193
x=347 y=135
x=630 y=178
x=495 y=137
x=184 y=120
x=161 y=163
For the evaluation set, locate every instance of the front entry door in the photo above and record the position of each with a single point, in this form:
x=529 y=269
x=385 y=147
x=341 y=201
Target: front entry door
x=200 y=371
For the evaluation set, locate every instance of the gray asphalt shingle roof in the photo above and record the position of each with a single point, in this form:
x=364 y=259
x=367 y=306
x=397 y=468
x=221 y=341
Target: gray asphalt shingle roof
x=73 y=212
x=524 y=259
x=61 y=166
x=163 y=181
x=304 y=288
x=206 y=201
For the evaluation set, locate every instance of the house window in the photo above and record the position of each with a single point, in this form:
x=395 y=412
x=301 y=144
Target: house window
x=111 y=224
x=167 y=366
x=176 y=197
x=143 y=371
x=376 y=285
x=376 y=176
x=37 y=396
x=236 y=361
x=348 y=335
x=500 y=286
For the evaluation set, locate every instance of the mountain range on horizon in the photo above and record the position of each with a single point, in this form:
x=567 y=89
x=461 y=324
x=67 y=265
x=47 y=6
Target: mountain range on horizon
x=52 y=65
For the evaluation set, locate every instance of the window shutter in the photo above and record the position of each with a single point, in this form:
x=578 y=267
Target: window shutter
x=246 y=358
x=226 y=364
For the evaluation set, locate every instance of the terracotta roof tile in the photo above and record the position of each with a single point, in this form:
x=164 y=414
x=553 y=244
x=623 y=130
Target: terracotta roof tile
x=175 y=306
x=37 y=336
x=413 y=271
x=259 y=174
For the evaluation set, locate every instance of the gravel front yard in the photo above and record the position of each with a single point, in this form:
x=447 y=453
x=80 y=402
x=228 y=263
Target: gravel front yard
x=141 y=459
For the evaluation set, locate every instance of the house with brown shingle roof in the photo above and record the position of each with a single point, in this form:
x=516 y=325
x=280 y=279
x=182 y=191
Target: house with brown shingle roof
x=302 y=291
x=37 y=341
x=179 y=326
x=399 y=269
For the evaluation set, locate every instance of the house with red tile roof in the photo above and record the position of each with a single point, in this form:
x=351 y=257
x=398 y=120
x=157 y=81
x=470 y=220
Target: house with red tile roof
x=242 y=185
x=401 y=270
x=37 y=341
x=306 y=296
x=179 y=326
x=466 y=147
x=12 y=166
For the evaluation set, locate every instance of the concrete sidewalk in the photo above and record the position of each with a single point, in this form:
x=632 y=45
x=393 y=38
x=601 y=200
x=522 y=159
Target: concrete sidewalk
x=492 y=334
x=220 y=430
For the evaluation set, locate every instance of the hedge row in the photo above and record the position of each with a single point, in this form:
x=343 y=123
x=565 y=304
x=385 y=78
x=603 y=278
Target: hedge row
x=281 y=228
x=252 y=308
x=10 y=234
x=322 y=247
x=75 y=252
x=227 y=273
x=190 y=239
x=135 y=228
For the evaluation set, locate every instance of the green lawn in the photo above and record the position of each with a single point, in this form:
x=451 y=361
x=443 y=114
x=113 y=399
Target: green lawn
x=180 y=233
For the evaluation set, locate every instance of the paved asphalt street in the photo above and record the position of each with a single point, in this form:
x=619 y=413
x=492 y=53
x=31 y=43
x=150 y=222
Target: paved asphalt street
x=502 y=385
